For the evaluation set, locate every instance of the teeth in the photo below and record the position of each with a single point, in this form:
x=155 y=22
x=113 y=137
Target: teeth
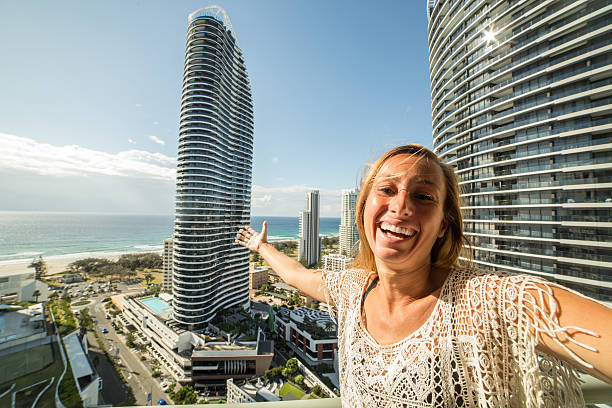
x=396 y=229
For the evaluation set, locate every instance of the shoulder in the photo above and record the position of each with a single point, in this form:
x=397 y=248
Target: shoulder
x=347 y=279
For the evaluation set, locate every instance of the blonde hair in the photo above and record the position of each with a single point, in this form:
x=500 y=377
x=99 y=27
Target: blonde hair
x=446 y=250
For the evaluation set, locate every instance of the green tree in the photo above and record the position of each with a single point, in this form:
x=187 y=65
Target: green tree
x=130 y=340
x=316 y=390
x=40 y=267
x=186 y=395
x=273 y=373
x=299 y=380
x=291 y=367
x=148 y=277
x=35 y=295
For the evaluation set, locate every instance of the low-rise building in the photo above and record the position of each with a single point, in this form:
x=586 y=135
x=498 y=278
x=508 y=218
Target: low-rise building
x=257 y=278
x=336 y=262
x=21 y=286
x=88 y=382
x=22 y=326
x=190 y=357
x=312 y=333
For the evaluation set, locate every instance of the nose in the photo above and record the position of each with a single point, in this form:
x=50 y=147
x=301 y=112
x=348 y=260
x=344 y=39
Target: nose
x=401 y=204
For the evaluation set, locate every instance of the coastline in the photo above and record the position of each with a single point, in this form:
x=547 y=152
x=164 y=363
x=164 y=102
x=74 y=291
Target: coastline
x=58 y=263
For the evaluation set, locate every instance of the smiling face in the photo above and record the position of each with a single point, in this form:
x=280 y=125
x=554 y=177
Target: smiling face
x=404 y=211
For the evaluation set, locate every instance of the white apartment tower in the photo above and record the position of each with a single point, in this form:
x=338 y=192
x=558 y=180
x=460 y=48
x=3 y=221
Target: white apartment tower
x=522 y=109
x=213 y=178
x=309 y=245
x=348 y=227
x=167 y=265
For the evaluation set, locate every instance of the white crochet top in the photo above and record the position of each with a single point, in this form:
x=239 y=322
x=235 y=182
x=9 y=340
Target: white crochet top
x=475 y=350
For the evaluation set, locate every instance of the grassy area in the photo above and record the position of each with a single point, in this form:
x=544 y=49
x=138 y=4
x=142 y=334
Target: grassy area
x=68 y=391
x=53 y=368
x=80 y=303
x=289 y=388
x=63 y=316
x=23 y=363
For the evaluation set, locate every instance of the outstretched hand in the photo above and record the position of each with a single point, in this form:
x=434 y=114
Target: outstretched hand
x=249 y=238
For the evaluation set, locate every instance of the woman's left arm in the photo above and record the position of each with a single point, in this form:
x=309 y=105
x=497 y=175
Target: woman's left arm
x=573 y=328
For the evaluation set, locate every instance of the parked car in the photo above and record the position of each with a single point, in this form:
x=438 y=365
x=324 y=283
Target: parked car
x=161 y=401
x=104 y=330
x=107 y=316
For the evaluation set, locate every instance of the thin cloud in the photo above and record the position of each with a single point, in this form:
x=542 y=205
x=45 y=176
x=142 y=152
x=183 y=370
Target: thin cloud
x=28 y=155
x=156 y=123
x=138 y=105
x=156 y=140
x=131 y=141
x=275 y=160
x=290 y=200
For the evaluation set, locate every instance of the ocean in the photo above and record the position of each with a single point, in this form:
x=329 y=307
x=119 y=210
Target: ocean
x=25 y=235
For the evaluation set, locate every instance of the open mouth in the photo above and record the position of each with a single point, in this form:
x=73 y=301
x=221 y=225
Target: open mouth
x=396 y=232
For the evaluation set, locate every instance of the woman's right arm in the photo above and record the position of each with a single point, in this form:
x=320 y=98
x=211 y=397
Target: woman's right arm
x=291 y=271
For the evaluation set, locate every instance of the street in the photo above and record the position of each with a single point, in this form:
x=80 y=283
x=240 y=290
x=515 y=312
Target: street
x=135 y=371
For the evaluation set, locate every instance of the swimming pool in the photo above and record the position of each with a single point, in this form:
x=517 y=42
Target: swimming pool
x=156 y=305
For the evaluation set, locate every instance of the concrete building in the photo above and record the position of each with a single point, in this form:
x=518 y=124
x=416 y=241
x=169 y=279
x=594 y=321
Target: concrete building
x=336 y=262
x=167 y=264
x=88 y=382
x=521 y=108
x=188 y=356
x=309 y=332
x=20 y=286
x=22 y=326
x=257 y=278
x=309 y=244
x=348 y=234
x=213 y=179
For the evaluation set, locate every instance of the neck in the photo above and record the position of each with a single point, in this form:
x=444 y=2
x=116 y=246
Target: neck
x=401 y=287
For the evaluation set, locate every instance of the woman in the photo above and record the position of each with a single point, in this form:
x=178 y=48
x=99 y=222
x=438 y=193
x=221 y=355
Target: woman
x=416 y=328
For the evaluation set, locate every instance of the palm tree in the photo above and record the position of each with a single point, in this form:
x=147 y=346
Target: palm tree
x=148 y=277
x=40 y=267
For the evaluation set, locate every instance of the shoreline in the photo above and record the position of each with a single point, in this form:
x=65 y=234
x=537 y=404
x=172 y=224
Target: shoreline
x=58 y=263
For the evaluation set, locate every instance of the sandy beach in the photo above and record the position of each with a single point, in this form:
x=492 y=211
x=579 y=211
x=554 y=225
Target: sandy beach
x=55 y=264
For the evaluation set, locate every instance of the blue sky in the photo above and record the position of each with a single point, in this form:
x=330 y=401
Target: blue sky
x=90 y=92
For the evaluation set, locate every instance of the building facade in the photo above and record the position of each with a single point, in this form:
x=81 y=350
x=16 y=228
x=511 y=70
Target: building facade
x=309 y=332
x=348 y=234
x=257 y=278
x=21 y=286
x=336 y=262
x=167 y=263
x=213 y=184
x=309 y=244
x=522 y=108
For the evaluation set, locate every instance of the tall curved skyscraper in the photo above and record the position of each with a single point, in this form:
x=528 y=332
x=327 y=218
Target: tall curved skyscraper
x=522 y=107
x=213 y=186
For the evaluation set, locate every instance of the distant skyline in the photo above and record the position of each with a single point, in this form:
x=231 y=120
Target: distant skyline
x=91 y=91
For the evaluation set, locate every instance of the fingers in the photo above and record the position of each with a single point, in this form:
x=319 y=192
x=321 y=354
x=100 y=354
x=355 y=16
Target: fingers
x=264 y=229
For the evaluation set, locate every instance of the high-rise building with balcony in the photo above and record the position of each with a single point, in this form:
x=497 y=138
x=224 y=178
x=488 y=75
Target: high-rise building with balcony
x=213 y=184
x=522 y=108
x=309 y=244
x=348 y=234
x=167 y=263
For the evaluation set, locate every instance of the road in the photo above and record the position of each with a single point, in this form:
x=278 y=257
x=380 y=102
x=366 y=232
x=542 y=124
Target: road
x=138 y=374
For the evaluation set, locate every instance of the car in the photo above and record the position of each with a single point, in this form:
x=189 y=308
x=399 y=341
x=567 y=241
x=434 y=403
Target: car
x=161 y=401
x=107 y=316
x=104 y=330
x=164 y=385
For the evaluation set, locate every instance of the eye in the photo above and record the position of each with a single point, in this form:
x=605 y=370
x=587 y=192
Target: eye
x=385 y=190
x=425 y=197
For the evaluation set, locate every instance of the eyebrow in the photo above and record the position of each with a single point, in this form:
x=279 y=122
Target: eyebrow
x=420 y=180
